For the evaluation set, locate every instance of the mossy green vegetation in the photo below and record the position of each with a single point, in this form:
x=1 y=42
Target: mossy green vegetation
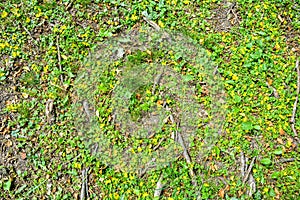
x=43 y=45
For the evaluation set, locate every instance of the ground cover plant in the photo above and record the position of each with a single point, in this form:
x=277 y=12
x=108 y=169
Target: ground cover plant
x=254 y=46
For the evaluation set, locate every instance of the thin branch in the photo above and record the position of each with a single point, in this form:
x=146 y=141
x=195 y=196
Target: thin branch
x=276 y=95
x=157 y=81
x=243 y=164
x=231 y=10
x=148 y=165
x=152 y=23
x=86 y=109
x=69 y=161
x=181 y=142
x=248 y=175
x=159 y=186
x=283 y=160
x=158 y=145
x=292 y=120
x=223 y=180
x=86 y=183
x=252 y=185
x=84 y=186
x=53 y=84
x=48 y=111
x=179 y=139
x=36 y=187
x=157 y=28
x=249 y=170
x=185 y=151
x=35 y=43
x=69 y=5
x=215 y=70
x=95 y=149
x=246 y=165
x=59 y=59
x=82 y=193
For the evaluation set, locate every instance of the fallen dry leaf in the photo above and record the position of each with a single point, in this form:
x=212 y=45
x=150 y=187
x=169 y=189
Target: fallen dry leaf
x=279 y=140
x=281 y=131
x=222 y=193
x=23 y=155
x=9 y=143
x=270 y=81
x=160 y=102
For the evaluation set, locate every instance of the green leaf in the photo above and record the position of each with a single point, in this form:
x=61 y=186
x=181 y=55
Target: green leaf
x=272 y=192
x=266 y=161
x=278 y=152
x=7 y=185
x=237 y=99
x=248 y=65
x=229 y=82
x=20 y=189
x=257 y=54
x=247 y=126
x=262 y=33
x=187 y=78
x=249 y=45
x=275 y=175
x=2 y=78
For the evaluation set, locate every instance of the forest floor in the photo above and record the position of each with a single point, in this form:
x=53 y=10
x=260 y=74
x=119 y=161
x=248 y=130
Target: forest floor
x=254 y=46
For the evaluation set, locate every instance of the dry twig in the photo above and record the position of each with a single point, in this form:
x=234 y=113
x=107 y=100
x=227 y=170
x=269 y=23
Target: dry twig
x=252 y=185
x=231 y=10
x=158 y=145
x=84 y=187
x=157 y=28
x=243 y=164
x=35 y=43
x=249 y=170
x=185 y=151
x=152 y=23
x=86 y=109
x=53 y=84
x=292 y=120
x=246 y=174
x=276 y=95
x=148 y=165
x=283 y=160
x=69 y=5
x=159 y=187
x=59 y=59
x=157 y=81
x=49 y=111
x=215 y=70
